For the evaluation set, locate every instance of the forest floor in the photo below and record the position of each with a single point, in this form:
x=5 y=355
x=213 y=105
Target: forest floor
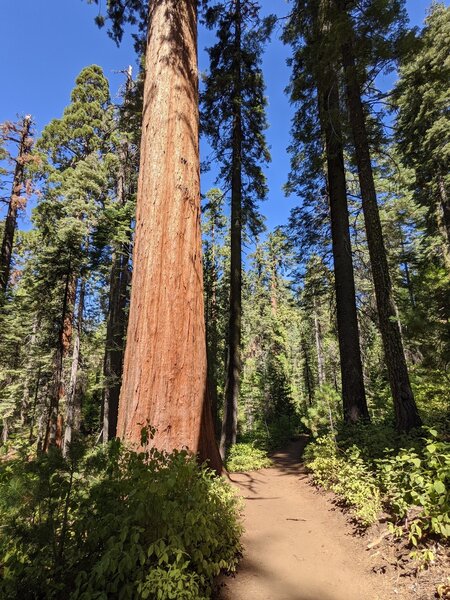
x=298 y=545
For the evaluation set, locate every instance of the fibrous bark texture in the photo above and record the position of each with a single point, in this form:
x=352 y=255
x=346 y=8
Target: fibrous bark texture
x=13 y=207
x=165 y=372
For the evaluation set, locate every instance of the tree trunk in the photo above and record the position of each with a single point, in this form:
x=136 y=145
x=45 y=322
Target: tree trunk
x=445 y=205
x=406 y=413
x=5 y=431
x=308 y=378
x=165 y=372
x=319 y=350
x=13 y=207
x=53 y=435
x=117 y=318
x=73 y=406
x=406 y=271
x=353 y=392
x=115 y=340
x=25 y=417
x=232 y=385
x=211 y=316
x=443 y=220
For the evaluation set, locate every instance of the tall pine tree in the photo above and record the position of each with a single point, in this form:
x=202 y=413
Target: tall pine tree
x=233 y=119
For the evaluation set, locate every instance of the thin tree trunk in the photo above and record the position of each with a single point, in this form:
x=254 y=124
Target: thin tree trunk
x=212 y=335
x=273 y=285
x=406 y=413
x=445 y=206
x=53 y=435
x=443 y=220
x=73 y=406
x=405 y=264
x=13 y=207
x=232 y=386
x=319 y=350
x=117 y=318
x=5 y=431
x=29 y=373
x=353 y=392
x=165 y=371
x=115 y=340
x=308 y=378
x=35 y=399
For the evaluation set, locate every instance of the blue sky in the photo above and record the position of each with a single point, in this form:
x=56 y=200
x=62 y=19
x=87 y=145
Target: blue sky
x=45 y=44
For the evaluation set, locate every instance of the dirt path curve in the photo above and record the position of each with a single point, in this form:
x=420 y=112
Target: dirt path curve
x=296 y=545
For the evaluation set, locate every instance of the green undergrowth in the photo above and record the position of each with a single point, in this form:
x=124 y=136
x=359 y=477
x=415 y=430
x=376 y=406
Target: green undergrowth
x=273 y=435
x=246 y=457
x=254 y=445
x=111 y=523
x=371 y=469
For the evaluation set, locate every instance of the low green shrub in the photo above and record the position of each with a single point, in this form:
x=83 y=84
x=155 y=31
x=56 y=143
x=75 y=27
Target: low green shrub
x=416 y=485
x=112 y=523
x=347 y=475
x=245 y=457
x=412 y=483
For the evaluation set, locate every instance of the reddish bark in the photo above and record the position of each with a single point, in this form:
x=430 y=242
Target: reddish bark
x=14 y=204
x=165 y=371
x=55 y=423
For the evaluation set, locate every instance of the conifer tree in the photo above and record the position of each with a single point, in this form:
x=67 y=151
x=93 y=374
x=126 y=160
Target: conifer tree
x=423 y=125
x=233 y=119
x=389 y=16
x=76 y=183
x=271 y=374
x=165 y=372
x=215 y=257
x=18 y=134
x=119 y=277
x=309 y=33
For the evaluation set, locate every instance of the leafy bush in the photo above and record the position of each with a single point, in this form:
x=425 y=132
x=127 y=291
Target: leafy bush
x=416 y=483
x=245 y=457
x=411 y=482
x=347 y=475
x=112 y=523
x=432 y=393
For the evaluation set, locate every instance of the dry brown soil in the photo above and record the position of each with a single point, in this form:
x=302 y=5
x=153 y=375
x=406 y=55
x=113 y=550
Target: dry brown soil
x=297 y=544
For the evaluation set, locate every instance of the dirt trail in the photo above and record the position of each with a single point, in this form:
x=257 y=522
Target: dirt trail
x=297 y=546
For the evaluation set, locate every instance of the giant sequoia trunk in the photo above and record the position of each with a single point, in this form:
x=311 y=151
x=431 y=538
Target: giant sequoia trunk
x=232 y=385
x=353 y=393
x=165 y=372
x=406 y=413
x=13 y=207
